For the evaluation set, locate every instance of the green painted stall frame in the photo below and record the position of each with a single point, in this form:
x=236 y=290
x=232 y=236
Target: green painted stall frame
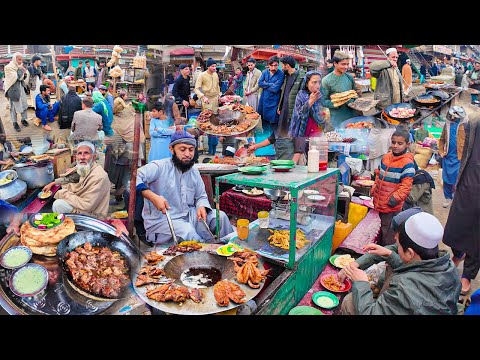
x=302 y=268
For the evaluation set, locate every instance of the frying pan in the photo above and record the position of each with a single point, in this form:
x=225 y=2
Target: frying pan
x=443 y=95
x=200 y=259
x=97 y=238
x=400 y=105
x=424 y=97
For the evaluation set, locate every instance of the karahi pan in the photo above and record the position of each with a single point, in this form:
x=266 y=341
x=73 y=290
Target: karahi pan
x=199 y=259
x=97 y=238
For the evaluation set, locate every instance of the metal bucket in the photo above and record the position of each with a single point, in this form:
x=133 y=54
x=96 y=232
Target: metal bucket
x=36 y=175
x=14 y=190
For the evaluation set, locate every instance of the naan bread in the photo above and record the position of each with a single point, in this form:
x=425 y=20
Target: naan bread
x=44 y=242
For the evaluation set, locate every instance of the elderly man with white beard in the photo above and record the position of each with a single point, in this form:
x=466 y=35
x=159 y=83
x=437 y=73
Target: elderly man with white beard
x=91 y=194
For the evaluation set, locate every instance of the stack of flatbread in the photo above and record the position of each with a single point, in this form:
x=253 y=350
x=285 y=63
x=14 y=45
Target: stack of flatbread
x=339 y=99
x=44 y=242
x=39 y=158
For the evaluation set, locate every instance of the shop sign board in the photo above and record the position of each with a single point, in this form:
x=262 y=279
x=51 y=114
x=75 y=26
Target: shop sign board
x=442 y=49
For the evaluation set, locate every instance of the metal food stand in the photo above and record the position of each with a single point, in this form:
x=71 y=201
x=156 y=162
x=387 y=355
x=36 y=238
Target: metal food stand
x=295 y=269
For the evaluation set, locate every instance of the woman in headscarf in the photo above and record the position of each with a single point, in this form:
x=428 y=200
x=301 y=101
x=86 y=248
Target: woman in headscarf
x=308 y=118
x=103 y=108
x=16 y=78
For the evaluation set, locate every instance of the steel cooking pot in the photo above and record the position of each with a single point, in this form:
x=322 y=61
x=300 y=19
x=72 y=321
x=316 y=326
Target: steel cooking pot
x=35 y=175
x=13 y=190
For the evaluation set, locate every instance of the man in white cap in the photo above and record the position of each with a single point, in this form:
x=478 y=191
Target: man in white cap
x=173 y=184
x=407 y=75
x=91 y=195
x=422 y=280
x=389 y=86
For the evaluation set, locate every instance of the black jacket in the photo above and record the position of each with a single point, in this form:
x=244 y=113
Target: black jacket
x=71 y=102
x=181 y=89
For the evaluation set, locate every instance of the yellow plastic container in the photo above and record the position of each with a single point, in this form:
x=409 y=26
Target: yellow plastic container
x=340 y=233
x=356 y=213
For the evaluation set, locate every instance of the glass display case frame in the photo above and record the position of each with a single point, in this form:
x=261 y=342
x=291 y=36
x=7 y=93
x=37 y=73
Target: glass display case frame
x=315 y=216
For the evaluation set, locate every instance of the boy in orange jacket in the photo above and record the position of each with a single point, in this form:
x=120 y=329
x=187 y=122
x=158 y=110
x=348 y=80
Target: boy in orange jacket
x=393 y=182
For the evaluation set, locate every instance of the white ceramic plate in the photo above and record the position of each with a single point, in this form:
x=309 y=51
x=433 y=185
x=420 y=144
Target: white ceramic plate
x=363 y=197
x=316 y=197
x=255 y=194
x=311 y=192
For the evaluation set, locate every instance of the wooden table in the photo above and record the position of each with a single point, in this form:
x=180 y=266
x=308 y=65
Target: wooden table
x=62 y=159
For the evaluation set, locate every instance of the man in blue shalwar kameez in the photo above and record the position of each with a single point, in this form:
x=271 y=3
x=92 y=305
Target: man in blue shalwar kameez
x=173 y=184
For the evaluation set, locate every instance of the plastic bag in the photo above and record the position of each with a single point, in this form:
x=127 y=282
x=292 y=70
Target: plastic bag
x=432 y=160
x=375 y=271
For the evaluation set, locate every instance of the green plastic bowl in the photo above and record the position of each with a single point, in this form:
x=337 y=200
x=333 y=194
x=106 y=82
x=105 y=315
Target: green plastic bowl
x=304 y=310
x=321 y=294
x=282 y=162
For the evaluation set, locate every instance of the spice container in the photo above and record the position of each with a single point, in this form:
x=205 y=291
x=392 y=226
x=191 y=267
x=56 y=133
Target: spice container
x=263 y=219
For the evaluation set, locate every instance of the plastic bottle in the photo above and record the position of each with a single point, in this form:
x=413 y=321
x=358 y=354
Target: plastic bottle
x=313 y=158
x=323 y=153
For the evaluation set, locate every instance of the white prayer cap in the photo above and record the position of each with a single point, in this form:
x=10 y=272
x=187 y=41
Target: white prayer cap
x=424 y=229
x=389 y=50
x=230 y=150
x=88 y=144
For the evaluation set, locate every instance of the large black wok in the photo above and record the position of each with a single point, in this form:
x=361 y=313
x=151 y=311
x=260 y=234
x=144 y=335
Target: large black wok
x=399 y=105
x=97 y=238
x=417 y=101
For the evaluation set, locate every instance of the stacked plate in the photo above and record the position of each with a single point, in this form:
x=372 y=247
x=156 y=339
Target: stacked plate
x=282 y=165
x=253 y=170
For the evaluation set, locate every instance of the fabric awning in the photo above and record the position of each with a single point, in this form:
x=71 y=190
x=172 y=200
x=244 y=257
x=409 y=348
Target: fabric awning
x=183 y=51
x=265 y=54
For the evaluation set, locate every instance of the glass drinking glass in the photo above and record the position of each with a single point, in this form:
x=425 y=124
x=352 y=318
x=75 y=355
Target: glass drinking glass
x=242 y=228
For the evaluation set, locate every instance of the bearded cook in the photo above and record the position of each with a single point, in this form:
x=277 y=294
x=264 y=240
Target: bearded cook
x=173 y=184
x=91 y=195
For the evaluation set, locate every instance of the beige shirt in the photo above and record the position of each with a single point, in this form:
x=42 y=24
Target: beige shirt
x=118 y=105
x=90 y=196
x=395 y=85
x=209 y=84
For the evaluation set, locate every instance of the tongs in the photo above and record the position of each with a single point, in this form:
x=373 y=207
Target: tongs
x=202 y=220
x=172 y=230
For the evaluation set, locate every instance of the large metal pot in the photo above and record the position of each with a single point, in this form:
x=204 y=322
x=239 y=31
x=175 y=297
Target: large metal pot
x=14 y=190
x=35 y=175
